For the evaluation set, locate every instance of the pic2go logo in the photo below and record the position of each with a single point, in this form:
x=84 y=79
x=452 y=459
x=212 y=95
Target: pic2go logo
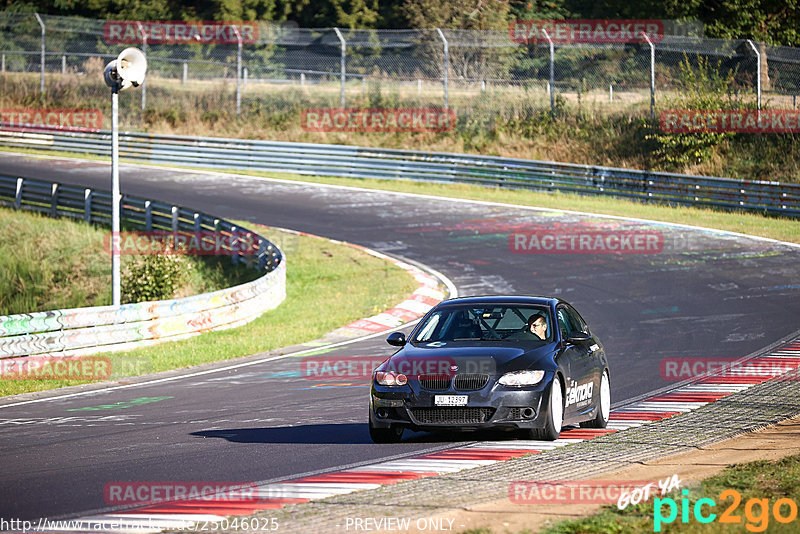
x=756 y=511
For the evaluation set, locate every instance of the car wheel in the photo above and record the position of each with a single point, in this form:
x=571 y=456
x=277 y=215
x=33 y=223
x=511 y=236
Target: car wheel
x=603 y=407
x=554 y=415
x=393 y=434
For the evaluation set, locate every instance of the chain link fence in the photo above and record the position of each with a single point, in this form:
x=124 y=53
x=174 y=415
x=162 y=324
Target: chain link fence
x=480 y=75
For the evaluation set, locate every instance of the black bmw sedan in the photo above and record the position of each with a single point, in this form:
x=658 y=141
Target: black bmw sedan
x=529 y=364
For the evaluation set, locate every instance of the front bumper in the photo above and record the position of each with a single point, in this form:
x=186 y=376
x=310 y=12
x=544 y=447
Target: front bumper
x=493 y=406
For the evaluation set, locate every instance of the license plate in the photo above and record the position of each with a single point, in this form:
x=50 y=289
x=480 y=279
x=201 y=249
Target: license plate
x=450 y=400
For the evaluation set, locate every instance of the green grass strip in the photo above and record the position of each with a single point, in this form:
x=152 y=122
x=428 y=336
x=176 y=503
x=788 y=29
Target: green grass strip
x=328 y=285
x=759 y=485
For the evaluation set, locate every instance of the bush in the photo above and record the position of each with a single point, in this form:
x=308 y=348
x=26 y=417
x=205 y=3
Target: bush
x=703 y=88
x=153 y=277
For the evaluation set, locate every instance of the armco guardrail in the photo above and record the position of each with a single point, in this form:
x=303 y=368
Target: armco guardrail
x=339 y=160
x=89 y=330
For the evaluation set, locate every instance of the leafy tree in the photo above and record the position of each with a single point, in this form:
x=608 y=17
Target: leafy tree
x=703 y=87
x=541 y=10
x=331 y=13
x=771 y=21
x=457 y=14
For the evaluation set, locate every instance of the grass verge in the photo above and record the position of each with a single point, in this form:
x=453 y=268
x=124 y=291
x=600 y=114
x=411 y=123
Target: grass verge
x=502 y=121
x=49 y=264
x=328 y=285
x=760 y=486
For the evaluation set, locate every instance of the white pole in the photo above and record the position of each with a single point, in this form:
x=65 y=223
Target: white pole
x=758 y=71
x=446 y=63
x=551 y=86
x=115 y=197
x=117 y=79
x=41 y=60
x=343 y=66
x=238 y=71
x=610 y=92
x=652 y=76
x=144 y=51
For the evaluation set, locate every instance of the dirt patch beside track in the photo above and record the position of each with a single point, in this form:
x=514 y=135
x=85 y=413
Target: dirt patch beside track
x=504 y=516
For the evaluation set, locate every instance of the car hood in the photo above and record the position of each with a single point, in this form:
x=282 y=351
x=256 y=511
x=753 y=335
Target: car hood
x=491 y=357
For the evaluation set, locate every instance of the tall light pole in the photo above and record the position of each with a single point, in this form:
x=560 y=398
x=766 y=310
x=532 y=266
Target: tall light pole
x=127 y=70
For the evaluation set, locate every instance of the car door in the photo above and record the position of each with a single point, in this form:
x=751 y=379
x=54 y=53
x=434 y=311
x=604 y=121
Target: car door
x=583 y=381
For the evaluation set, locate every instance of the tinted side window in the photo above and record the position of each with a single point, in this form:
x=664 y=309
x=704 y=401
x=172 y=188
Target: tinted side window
x=569 y=321
x=578 y=324
x=564 y=322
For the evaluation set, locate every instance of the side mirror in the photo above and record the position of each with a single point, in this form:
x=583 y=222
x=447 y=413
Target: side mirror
x=398 y=339
x=578 y=338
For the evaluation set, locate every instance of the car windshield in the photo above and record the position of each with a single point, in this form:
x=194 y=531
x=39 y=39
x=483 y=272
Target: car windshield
x=487 y=323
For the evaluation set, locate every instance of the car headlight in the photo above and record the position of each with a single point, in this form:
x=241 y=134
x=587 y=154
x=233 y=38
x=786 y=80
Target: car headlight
x=522 y=378
x=388 y=378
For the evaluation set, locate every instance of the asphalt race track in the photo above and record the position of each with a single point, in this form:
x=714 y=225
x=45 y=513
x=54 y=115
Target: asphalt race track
x=701 y=294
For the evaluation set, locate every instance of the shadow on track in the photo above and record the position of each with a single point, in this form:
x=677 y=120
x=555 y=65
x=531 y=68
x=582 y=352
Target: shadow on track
x=344 y=433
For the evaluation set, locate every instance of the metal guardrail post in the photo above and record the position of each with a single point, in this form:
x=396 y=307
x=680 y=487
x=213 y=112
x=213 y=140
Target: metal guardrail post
x=262 y=253
x=196 y=222
x=552 y=74
x=174 y=212
x=41 y=60
x=54 y=200
x=234 y=257
x=148 y=216
x=238 y=70
x=758 y=71
x=18 y=194
x=343 y=66
x=445 y=64
x=652 y=76
x=87 y=205
x=144 y=51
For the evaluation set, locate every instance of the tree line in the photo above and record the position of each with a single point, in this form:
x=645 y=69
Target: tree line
x=770 y=21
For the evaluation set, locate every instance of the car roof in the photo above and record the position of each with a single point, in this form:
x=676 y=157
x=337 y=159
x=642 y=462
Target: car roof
x=501 y=299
